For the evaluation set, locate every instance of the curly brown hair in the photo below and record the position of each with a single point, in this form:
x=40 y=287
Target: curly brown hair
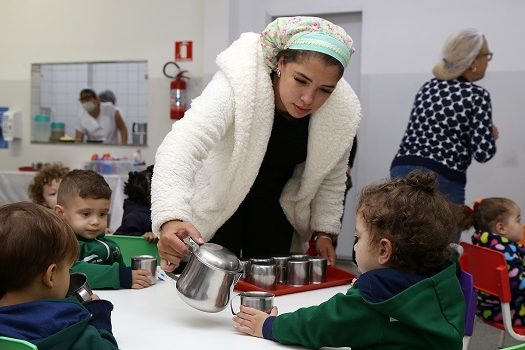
x=45 y=177
x=415 y=217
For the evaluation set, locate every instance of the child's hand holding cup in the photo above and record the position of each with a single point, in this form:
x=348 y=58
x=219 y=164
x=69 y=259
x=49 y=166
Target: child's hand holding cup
x=144 y=269
x=262 y=301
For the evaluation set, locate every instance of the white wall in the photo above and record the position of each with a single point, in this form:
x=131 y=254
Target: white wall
x=37 y=31
x=401 y=42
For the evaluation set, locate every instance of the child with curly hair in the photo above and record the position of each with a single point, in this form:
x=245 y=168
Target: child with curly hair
x=44 y=188
x=408 y=295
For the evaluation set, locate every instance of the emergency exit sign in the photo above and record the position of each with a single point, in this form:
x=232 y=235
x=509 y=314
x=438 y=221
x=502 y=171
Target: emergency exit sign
x=183 y=50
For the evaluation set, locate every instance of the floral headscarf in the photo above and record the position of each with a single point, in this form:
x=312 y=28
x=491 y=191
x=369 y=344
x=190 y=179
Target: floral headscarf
x=305 y=33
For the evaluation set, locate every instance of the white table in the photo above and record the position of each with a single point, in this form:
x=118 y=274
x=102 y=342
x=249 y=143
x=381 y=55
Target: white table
x=157 y=318
x=14 y=184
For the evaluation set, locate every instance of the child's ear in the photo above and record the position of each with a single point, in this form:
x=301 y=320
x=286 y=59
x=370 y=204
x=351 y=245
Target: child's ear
x=59 y=210
x=500 y=228
x=385 y=251
x=49 y=276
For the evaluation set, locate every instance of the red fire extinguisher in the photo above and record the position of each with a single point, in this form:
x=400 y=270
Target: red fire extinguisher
x=178 y=92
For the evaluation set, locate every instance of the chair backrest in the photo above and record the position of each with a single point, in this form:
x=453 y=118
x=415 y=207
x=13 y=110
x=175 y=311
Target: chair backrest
x=488 y=268
x=515 y=347
x=7 y=343
x=134 y=245
x=467 y=287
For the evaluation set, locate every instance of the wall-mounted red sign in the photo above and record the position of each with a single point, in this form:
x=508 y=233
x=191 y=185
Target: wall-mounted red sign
x=183 y=50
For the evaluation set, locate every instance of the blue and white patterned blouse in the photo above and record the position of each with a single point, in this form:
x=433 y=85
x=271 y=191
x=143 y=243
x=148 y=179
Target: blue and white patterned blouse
x=450 y=123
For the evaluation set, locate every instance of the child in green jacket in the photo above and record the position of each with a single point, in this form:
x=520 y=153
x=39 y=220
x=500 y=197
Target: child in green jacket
x=408 y=295
x=83 y=201
x=37 y=251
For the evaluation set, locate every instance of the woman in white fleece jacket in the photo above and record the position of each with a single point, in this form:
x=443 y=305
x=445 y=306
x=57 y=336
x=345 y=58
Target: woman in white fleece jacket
x=258 y=163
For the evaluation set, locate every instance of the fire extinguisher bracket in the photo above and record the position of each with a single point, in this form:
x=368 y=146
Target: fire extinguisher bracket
x=178 y=91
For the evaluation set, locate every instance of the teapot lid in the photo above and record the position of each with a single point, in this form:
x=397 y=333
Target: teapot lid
x=216 y=256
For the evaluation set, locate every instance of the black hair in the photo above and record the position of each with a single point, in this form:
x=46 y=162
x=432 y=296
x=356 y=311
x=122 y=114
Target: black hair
x=303 y=55
x=89 y=91
x=138 y=186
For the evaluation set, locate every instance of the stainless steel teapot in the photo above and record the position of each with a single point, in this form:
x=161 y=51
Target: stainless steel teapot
x=207 y=281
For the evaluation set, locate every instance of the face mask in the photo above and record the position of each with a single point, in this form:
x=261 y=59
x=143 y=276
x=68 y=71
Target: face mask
x=89 y=106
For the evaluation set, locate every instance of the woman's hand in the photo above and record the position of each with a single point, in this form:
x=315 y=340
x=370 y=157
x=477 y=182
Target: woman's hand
x=251 y=321
x=171 y=247
x=325 y=247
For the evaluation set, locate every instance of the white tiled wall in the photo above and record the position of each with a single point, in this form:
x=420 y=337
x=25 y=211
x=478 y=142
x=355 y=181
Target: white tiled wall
x=58 y=86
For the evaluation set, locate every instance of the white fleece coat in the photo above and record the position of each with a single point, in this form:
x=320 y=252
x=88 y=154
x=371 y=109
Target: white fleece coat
x=208 y=162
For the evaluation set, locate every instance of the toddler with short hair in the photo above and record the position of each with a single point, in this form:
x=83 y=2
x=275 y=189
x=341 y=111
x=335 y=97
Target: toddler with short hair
x=38 y=248
x=83 y=201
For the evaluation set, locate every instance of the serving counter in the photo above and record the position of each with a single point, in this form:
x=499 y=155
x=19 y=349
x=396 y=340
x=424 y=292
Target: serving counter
x=157 y=318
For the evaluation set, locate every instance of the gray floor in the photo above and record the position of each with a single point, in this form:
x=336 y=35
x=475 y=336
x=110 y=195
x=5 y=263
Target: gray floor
x=484 y=337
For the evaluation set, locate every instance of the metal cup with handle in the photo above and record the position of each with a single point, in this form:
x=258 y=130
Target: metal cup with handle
x=258 y=300
x=79 y=287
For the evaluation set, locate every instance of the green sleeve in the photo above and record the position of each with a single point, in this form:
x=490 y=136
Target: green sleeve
x=93 y=338
x=99 y=276
x=115 y=247
x=120 y=260
x=343 y=320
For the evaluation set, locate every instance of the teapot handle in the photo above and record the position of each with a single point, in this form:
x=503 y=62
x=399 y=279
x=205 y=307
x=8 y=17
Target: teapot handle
x=231 y=304
x=192 y=245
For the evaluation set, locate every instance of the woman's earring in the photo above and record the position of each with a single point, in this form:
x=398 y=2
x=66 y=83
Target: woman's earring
x=278 y=71
x=474 y=69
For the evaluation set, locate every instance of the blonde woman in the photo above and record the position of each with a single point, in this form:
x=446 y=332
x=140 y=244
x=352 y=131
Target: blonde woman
x=451 y=119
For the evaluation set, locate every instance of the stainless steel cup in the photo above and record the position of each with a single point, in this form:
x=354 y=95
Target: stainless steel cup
x=263 y=275
x=318 y=266
x=79 y=287
x=258 y=300
x=262 y=261
x=280 y=263
x=145 y=262
x=299 y=256
x=245 y=268
x=298 y=272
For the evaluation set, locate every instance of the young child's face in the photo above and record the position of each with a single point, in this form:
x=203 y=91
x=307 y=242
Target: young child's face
x=49 y=192
x=366 y=255
x=87 y=216
x=512 y=228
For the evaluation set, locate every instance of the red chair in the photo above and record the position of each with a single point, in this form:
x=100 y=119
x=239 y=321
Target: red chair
x=489 y=269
